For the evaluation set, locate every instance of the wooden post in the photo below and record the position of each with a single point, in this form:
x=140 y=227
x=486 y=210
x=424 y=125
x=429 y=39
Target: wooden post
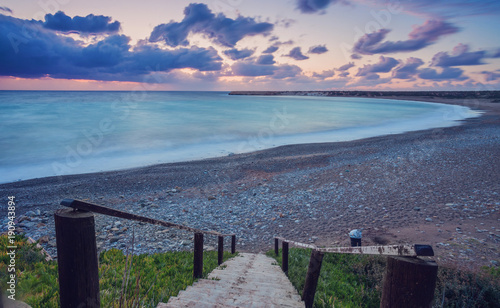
x=198 y=255
x=284 y=258
x=220 y=254
x=77 y=259
x=233 y=244
x=409 y=283
x=312 y=278
x=276 y=246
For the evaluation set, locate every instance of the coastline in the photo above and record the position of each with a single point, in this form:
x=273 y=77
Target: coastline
x=416 y=187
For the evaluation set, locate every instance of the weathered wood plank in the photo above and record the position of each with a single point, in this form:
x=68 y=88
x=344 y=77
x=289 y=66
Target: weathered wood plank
x=77 y=259
x=220 y=250
x=312 y=277
x=389 y=250
x=198 y=255
x=90 y=207
x=409 y=282
x=297 y=244
x=284 y=257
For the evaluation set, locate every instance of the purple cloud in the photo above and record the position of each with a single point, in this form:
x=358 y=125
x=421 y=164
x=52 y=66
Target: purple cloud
x=491 y=76
x=199 y=19
x=286 y=71
x=449 y=8
x=355 y=56
x=407 y=70
x=252 y=69
x=385 y=65
x=344 y=74
x=421 y=36
x=345 y=67
x=448 y=73
x=88 y=24
x=460 y=56
x=31 y=51
x=319 y=49
x=371 y=80
x=235 y=54
x=266 y=60
x=297 y=54
x=249 y=69
x=313 y=6
x=271 y=49
x=324 y=74
x=5 y=9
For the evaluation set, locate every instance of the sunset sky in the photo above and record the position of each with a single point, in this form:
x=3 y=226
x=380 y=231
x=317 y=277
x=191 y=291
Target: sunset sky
x=249 y=45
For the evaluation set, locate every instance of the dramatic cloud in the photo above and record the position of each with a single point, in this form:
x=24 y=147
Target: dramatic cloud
x=449 y=8
x=235 y=54
x=371 y=80
x=407 y=70
x=318 y=49
x=266 y=60
x=88 y=24
x=448 y=73
x=5 y=9
x=345 y=67
x=385 y=65
x=199 y=19
x=460 y=56
x=286 y=71
x=420 y=37
x=29 y=50
x=297 y=54
x=313 y=6
x=324 y=74
x=251 y=69
x=271 y=49
x=491 y=76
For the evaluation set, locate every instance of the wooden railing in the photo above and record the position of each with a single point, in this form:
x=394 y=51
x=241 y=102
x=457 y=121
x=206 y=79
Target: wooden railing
x=77 y=251
x=409 y=281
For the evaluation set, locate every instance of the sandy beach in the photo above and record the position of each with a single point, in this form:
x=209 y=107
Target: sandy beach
x=439 y=187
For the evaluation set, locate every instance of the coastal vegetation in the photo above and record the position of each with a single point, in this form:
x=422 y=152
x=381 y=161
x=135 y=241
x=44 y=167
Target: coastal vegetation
x=145 y=280
x=125 y=281
x=356 y=281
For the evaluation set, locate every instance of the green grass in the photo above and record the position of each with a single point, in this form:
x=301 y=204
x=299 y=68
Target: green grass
x=356 y=281
x=151 y=279
x=345 y=280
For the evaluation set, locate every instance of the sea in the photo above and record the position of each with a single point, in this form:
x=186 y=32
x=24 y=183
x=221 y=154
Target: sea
x=52 y=133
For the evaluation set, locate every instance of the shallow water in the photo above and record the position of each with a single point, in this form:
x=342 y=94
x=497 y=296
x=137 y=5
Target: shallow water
x=57 y=133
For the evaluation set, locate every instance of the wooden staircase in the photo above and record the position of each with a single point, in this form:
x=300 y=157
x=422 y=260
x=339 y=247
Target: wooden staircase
x=247 y=280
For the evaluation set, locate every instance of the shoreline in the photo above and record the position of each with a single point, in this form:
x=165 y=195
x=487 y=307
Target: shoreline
x=413 y=187
x=450 y=117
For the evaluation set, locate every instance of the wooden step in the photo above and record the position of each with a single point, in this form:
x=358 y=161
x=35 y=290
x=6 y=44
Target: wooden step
x=247 y=280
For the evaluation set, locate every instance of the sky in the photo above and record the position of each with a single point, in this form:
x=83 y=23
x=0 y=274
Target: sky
x=224 y=45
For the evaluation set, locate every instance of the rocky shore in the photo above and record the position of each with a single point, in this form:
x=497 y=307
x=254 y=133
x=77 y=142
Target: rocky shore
x=439 y=187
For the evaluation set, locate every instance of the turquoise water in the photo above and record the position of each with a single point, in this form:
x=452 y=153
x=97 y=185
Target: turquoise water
x=57 y=133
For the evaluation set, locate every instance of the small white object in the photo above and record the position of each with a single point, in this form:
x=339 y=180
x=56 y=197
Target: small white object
x=356 y=233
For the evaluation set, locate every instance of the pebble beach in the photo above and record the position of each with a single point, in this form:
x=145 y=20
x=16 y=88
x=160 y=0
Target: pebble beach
x=438 y=187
